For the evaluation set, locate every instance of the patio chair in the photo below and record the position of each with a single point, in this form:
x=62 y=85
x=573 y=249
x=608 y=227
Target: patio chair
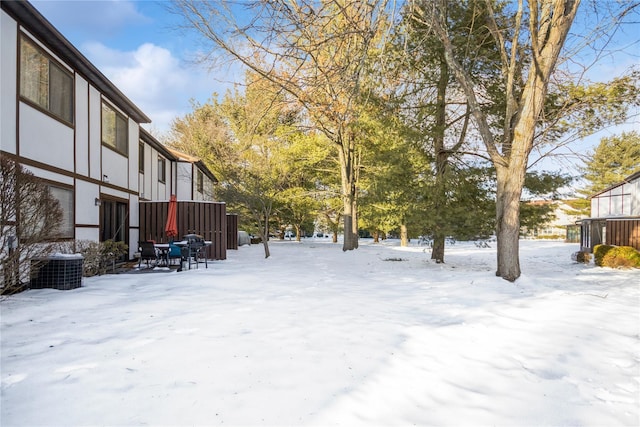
x=175 y=252
x=147 y=253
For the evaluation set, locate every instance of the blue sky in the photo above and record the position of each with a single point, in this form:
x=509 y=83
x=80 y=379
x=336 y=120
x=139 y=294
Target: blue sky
x=137 y=46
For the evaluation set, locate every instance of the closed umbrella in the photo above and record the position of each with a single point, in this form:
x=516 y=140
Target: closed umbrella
x=171 y=229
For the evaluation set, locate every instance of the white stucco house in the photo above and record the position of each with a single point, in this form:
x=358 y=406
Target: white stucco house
x=65 y=122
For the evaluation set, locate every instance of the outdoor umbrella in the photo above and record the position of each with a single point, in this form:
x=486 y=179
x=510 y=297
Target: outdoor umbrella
x=171 y=229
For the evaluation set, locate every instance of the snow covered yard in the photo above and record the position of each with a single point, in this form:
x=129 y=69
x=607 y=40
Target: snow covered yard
x=317 y=336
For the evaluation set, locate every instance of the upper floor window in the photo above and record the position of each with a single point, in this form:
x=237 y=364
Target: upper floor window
x=114 y=129
x=141 y=157
x=162 y=169
x=200 y=184
x=45 y=83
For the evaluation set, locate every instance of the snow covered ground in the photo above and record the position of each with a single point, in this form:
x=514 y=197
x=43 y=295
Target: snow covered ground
x=318 y=336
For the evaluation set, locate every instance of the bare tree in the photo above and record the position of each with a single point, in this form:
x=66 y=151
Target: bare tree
x=29 y=216
x=315 y=52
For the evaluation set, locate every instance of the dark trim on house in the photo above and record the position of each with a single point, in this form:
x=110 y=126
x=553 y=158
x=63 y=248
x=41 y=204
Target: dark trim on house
x=28 y=16
x=76 y=176
x=154 y=143
x=22 y=35
x=627 y=180
x=174 y=156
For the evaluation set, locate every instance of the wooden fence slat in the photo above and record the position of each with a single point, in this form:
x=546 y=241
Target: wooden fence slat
x=624 y=232
x=208 y=219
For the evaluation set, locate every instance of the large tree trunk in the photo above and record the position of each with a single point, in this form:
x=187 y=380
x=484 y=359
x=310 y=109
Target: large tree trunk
x=509 y=190
x=549 y=24
x=348 y=175
x=404 y=236
x=442 y=159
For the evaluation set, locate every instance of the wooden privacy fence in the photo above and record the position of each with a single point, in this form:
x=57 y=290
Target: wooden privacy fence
x=623 y=232
x=232 y=231
x=208 y=219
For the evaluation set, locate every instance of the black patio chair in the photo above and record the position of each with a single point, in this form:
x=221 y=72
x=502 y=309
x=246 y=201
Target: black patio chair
x=196 y=249
x=147 y=253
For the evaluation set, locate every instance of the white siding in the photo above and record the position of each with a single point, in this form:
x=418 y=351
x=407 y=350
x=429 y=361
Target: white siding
x=115 y=166
x=145 y=189
x=115 y=193
x=95 y=151
x=50 y=176
x=635 y=197
x=82 y=125
x=37 y=131
x=623 y=200
x=184 y=181
x=134 y=141
x=87 y=213
x=83 y=233
x=8 y=73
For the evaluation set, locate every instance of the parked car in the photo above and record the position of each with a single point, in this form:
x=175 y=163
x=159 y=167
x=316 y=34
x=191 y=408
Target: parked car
x=243 y=238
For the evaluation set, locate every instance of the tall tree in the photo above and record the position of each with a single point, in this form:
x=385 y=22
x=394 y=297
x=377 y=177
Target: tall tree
x=529 y=37
x=615 y=158
x=244 y=140
x=303 y=163
x=316 y=52
x=443 y=112
x=390 y=164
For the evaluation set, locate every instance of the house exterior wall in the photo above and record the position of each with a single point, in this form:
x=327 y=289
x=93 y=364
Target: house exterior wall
x=615 y=216
x=72 y=156
x=622 y=200
x=8 y=79
x=69 y=155
x=149 y=187
x=93 y=130
x=82 y=126
x=184 y=187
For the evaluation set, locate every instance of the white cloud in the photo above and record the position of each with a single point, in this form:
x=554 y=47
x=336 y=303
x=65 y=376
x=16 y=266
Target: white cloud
x=154 y=79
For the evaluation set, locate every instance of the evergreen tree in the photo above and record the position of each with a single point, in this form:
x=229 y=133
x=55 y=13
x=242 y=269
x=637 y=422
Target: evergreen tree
x=614 y=159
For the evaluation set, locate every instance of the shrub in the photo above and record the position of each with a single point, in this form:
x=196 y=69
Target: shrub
x=584 y=257
x=616 y=256
x=599 y=251
x=29 y=220
x=98 y=257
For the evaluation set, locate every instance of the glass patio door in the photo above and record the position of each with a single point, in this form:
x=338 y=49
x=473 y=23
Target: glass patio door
x=114 y=217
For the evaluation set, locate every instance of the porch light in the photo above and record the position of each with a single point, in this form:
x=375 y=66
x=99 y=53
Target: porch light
x=98 y=202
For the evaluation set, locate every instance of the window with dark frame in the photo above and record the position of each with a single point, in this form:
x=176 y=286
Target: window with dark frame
x=64 y=196
x=141 y=157
x=200 y=181
x=114 y=129
x=44 y=83
x=162 y=169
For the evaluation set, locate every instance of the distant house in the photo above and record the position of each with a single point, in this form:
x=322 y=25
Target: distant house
x=562 y=226
x=69 y=125
x=615 y=216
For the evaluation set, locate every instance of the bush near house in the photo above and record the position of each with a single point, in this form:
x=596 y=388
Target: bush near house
x=583 y=257
x=30 y=217
x=99 y=257
x=616 y=256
